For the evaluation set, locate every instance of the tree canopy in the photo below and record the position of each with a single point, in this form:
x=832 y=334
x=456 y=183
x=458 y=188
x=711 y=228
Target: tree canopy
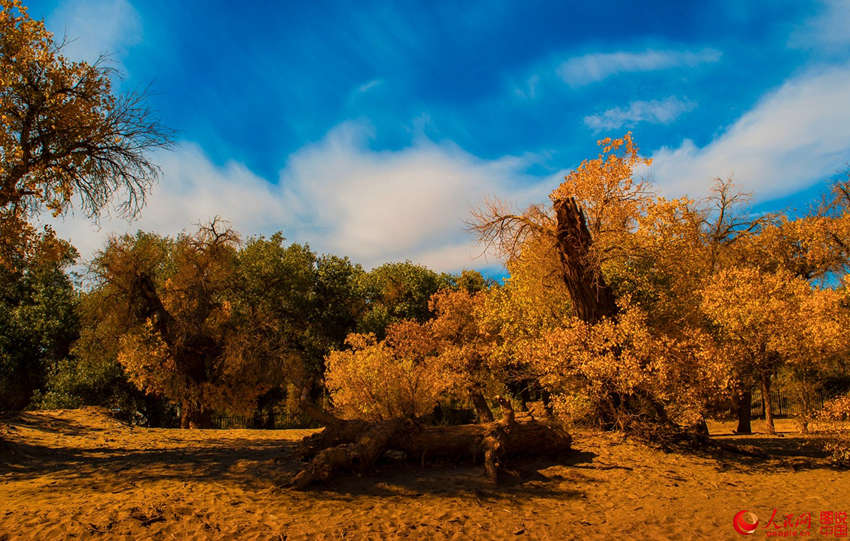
x=64 y=132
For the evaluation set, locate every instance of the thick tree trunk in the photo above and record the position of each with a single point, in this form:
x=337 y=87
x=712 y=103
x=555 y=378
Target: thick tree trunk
x=482 y=410
x=194 y=416
x=592 y=298
x=768 y=406
x=357 y=456
x=743 y=410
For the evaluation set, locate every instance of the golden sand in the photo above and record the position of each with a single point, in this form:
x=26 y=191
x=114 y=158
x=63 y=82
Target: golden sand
x=78 y=474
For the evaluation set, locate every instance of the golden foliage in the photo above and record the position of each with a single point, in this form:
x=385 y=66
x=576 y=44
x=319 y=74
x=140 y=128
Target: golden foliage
x=758 y=315
x=605 y=188
x=63 y=132
x=376 y=380
x=186 y=332
x=709 y=289
x=834 y=415
x=623 y=357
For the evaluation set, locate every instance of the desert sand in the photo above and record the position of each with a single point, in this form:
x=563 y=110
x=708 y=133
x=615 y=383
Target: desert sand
x=79 y=474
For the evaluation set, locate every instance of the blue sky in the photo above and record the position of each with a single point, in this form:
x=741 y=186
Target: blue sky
x=371 y=129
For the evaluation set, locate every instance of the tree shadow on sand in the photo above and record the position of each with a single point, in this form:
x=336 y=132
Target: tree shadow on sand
x=249 y=462
x=220 y=460
x=53 y=424
x=526 y=478
x=788 y=450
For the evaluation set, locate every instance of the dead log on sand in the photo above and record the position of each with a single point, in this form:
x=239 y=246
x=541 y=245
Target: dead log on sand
x=356 y=445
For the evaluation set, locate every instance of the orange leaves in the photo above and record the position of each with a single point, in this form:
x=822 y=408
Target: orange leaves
x=416 y=366
x=767 y=319
x=411 y=340
x=62 y=132
x=605 y=187
x=610 y=355
x=374 y=381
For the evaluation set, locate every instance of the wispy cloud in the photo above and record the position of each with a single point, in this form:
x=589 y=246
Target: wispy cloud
x=827 y=30
x=365 y=87
x=654 y=111
x=96 y=27
x=527 y=89
x=594 y=67
x=793 y=137
x=339 y=196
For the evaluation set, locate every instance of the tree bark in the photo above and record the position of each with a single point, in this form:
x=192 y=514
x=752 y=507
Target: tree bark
x=768 y=406
x=357 y=445
x=358 y=456
x=743 y=410
x=194 y=416
x=482 y=410
x=592 y=297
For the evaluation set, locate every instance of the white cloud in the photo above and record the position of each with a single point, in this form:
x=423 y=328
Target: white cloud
x=591 y=68
x=339 y=196
x=365 y=87
x=654 y=111
x=793 y=137
x=96 y=27
x=192 y=190
x=827 y=30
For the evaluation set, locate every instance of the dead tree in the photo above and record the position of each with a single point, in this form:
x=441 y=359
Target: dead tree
x=591 y=295
x=355 y=446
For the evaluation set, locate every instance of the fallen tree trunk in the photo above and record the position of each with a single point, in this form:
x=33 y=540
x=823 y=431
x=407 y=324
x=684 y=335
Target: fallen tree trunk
x=355 y=446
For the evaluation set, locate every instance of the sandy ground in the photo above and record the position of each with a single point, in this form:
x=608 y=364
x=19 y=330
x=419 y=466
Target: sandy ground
x=81 y=475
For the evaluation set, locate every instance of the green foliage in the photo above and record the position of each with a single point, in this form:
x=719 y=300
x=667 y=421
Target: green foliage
x=91 y=375
x=398 y=291
x=38 y=322
x=315 y=300
x=338 y=303
x=473 y=281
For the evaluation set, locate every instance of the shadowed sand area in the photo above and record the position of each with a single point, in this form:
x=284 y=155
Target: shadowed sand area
x=80 y=474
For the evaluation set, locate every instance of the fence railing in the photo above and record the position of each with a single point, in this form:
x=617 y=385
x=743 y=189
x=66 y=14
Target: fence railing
x=784 y=404
x=265 y=421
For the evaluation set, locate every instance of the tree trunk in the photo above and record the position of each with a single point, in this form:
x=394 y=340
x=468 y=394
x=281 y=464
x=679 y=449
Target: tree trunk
x=482 y=410
x=194 y=416
x=357 y=445
x=358 y=456
x=768 y=406
x=592 y=298
x=805 y=415
x=743 y=409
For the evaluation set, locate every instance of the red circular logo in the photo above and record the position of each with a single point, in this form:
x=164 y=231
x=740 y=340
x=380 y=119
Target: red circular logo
x=745 y=522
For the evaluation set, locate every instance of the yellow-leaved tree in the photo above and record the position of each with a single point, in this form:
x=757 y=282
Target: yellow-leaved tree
x=64 y=132
x=188 y=324
x=398 y=377
x=756 y=316
x=601 y=239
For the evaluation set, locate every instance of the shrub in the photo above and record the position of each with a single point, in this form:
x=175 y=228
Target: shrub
x=384 y=380
x=834 y=414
